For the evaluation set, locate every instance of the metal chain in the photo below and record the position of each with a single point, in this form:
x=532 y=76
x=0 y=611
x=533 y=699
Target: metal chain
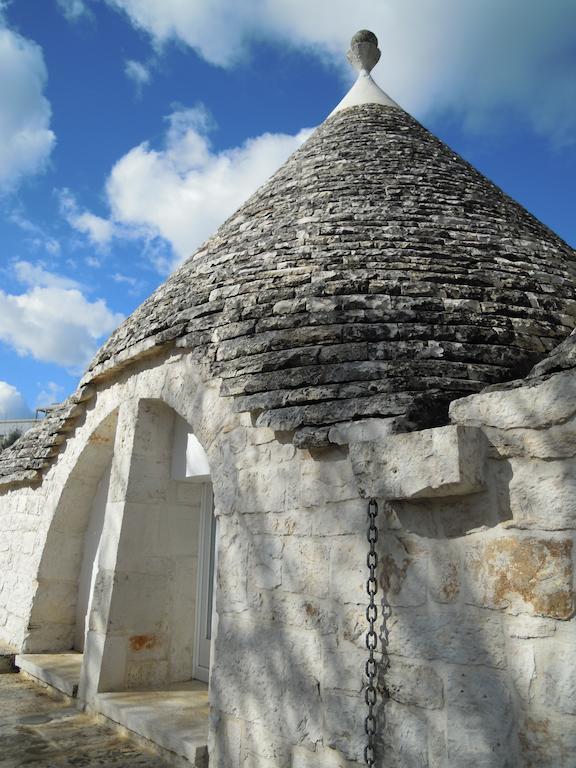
x=370 y=694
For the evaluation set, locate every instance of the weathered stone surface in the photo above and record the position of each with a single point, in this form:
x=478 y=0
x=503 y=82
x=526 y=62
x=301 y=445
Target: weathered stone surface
x=320 y=758
x=558 y=666
x=403 y=571
x=457 y=635
x=39 y=729
x=524 y=574
x=409 y=256
x=514 y=407
x=247 y=682
x=479 y=726
x=404 y=740
x=558 y=441
x=444 y=575
x=416 y=684
x=445 y=461
x=543 y=493
x=547 y=741
x=344 y=723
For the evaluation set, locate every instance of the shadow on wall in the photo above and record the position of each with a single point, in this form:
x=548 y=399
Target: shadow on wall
x=481 y=631
x=53 y=617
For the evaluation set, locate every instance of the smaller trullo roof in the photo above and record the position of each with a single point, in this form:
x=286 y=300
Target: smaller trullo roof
x=376 y=274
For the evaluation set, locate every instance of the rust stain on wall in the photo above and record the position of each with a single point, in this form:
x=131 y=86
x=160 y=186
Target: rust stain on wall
x=536 y=571
x=450 y=586
x=143 y=642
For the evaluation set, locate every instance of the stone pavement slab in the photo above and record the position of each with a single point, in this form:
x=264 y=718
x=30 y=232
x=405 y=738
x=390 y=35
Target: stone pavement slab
x=40 y=729
x=175 y=717
x=60 y=670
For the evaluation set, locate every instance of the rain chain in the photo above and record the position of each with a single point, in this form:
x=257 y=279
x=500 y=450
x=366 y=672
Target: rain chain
x=370 y=693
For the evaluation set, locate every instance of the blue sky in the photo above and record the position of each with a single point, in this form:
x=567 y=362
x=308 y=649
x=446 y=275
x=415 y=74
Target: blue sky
x=130 y=129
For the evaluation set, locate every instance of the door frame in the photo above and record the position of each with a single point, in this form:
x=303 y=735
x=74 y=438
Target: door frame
x=207 y=552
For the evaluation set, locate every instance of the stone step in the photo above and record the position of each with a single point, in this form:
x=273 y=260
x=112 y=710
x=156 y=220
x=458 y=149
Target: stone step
x=60 y=670
x=174 y=718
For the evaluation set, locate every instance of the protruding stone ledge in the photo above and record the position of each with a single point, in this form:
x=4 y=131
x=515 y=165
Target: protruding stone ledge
x=532 y=405
x=431 y=463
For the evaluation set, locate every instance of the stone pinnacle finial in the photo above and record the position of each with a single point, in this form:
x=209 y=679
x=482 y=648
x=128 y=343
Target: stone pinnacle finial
x=364 y=53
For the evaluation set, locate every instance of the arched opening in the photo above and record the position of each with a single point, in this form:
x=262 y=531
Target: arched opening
x=58 y=600
x=147 y=652
x=133 y=540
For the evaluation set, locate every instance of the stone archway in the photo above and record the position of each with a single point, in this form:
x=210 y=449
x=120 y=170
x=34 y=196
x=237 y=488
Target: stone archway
x=142 y=623
x=53 y=618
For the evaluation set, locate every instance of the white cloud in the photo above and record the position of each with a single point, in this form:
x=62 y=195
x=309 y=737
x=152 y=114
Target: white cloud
x=50 y=394
x=74 y=10
x=138 y=73
x=53 y=321
x=98 y=230
x=12 y=404
x=34 y=276
x=26 y=140
x=472 y=58
x=184 y=191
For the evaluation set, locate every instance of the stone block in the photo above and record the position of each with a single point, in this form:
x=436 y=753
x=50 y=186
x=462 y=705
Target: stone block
x=58 y=602
x=444 y=461
x=325 y=482
x=344 y=715
x=410 y=683
x=555 y=441
x=342 y=668
x=62 y=555
x=264 y=743
x=479 y=719
x=403 y=569
x=527 y=627
x=543 y=493
x=139 y=604
x=444 y=571
x=523 y=574
x=306 y=566
x=266 y=561
x=534 y=407
x=224 y=739
x=404 y=740
x=146 y=674
x=362 y=430
x=556 y=664
x=264 y=675
x=295 y=610
x=522 y=669
x=547 y=741
x=320 y=758
x=261 y=490
x=453 y=634
x=348 y=569
x=49 y=637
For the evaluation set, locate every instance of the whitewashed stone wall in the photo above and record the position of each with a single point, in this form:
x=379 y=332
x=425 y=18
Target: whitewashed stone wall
x=477 y=561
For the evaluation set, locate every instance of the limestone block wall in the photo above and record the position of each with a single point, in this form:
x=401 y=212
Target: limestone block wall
x=476 y=563
x=42 y=528
x=478 y=571
x=477 y=567
x=42 y=542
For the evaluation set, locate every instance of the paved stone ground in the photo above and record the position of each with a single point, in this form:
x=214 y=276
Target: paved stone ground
x=40 y=729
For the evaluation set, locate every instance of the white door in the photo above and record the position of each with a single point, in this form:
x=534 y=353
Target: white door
x=205 y=588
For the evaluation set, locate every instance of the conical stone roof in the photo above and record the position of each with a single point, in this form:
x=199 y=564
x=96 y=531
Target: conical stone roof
x=376 y=274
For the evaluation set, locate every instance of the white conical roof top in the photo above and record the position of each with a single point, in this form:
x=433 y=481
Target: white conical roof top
x=364 y=54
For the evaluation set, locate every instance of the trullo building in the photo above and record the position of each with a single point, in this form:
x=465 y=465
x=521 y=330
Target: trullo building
x=378 y=321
